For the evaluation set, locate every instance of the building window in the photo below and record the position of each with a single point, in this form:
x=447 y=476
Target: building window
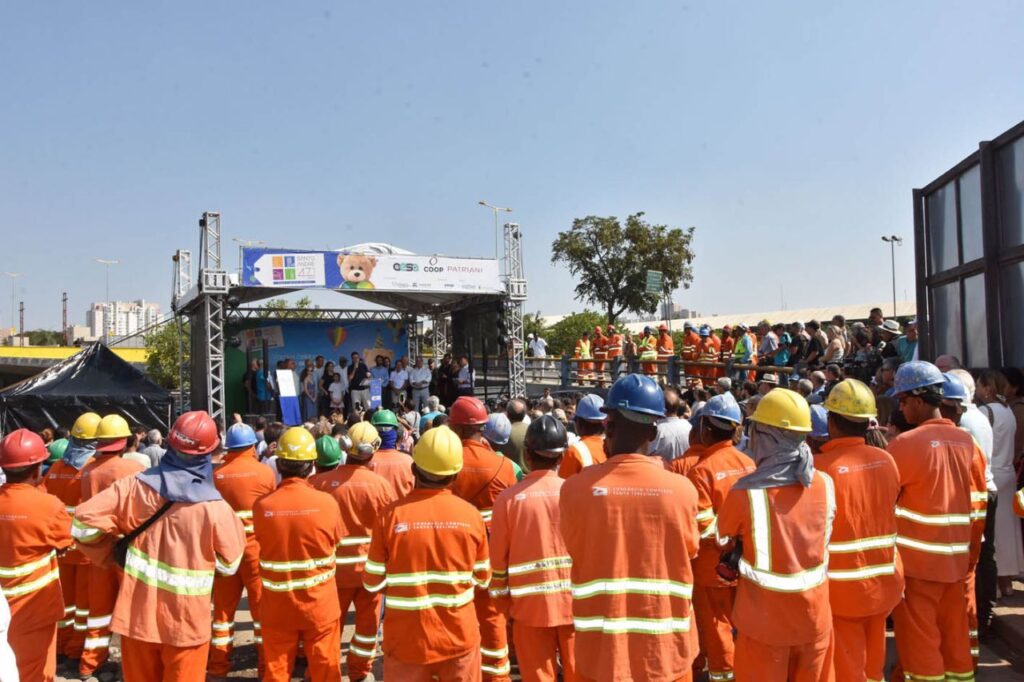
x=976 y=321
x=1013 y=321
x=942 y=248
x=1010 y=188
x=947 y=320
x=970 y=216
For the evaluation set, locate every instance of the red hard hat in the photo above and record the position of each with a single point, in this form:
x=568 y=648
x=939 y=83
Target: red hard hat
x=467 y=410
x=22 y=448
x=194 y=433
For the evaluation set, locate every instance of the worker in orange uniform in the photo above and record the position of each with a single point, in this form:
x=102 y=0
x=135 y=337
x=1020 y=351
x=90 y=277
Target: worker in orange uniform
x=298 y=529
x=530 y=561
x=647 y=348
x=64 y=481
x=631 y=595
x=599 y=349
x=865 y=573
x=777 y=521
x=241 y=479
x=695 y=448
x=583 y=356
x=178 y=534
x=718 y=467
x=389 y=463
x=429 y=551
x=34 y=527
x=709 y=350
x=728 y=348
x=484 y=475
x=106 y=467
x=589 y=449
x=942 y=481
x=691 y=350
x=613 y=345
x=361 y=496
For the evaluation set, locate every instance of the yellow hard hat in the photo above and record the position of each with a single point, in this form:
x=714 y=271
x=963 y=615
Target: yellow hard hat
x=439 y=452
x=365 y=439
x=296 y=445
x=85 y=426
x=784 y=409
x=852 y=399
x=111 y=427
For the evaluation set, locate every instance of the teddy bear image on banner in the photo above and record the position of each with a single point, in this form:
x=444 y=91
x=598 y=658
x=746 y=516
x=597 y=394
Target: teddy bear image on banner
x=356 y=270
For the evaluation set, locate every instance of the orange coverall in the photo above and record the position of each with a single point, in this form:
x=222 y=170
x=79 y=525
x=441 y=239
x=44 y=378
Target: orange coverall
x=34 y=527
x=64 y=482
x=395 y=467
x=690 y=351
x=531 y=576
x=484 y=475
x=361 y=496
x=298 y=529
x=580 y=455
x=104 y=580
x=163 y=610
x=782 y=609
x=939 y=523
x=719 y=466
x=709 y=350
x=865 y=573
x=599 y=346
x=613 y=344
x=727 y=347
x=683 y=465
x=241 y=480
x=666 y=348
x=631 y=597
x=429 y=551
x=647 y=348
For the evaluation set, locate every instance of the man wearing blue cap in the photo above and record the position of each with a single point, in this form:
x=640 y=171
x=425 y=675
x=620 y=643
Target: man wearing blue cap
x=589 y=449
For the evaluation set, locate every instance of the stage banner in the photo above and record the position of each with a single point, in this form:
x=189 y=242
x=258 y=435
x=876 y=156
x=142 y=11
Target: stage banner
x=289 y=397
x=347 y=270
x=376 y=389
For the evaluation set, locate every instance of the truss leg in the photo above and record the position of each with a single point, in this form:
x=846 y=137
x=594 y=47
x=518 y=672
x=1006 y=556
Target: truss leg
x=515 y=294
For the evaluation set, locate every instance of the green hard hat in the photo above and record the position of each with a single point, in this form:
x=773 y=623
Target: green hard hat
x=328 y=452
x=384 y=418
x=57 y=449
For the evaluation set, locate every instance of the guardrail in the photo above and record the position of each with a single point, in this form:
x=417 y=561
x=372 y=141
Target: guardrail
x=568 y=372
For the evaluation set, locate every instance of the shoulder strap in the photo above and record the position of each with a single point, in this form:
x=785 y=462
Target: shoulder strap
x=148 y=522
x=990 y=413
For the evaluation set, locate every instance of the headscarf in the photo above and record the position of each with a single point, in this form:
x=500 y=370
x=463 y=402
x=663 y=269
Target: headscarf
x=79 y=452
x=182 y=478
x=388 y=439
x=782 y=458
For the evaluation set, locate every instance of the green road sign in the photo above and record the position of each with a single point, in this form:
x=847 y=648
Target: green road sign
x=654 y=281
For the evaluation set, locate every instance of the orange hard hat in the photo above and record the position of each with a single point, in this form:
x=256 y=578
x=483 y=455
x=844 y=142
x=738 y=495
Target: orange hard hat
x=22 y=448
x=662 y=328
x=467 y=410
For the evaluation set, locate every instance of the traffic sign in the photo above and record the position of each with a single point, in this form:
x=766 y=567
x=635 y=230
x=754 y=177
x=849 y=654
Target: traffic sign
x=654 y=281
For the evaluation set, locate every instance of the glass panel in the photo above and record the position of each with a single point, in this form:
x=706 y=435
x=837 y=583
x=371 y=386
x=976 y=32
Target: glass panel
x=977 y=323
x=1010 y=169
x=970 y=215
x=1013 y=320
x=941 y=228
x=946 y=320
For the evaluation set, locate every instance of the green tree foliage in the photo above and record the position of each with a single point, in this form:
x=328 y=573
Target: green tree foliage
x=611 y=261
x=533 y=324
x=162 y=348
x=308 y=310
x=45 y=337
x=562 y=335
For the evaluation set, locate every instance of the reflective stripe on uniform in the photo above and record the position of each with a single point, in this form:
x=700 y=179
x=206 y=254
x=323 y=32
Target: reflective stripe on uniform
x=155 y=573
x=862 y=573
x=647 y=626
x=96 y=643
x=667 y=588
x=221 y=641
x=84 y=533
x=548 y=587
x=445 y=578
x=99 y=621
x=761 y=526
x=375 y=568
x=349 y=560
x=429 y=601
x=879 y=542
x=32 y=585
x=27 y=568
x=224 y=567
x=300 y=583
x=301 y=565
x=354 y=540
x=933 y=547
x=778 y=582
x=365 y=653
x=486 y=514
x=545 y=564
x=584 y=451
x=933 y=519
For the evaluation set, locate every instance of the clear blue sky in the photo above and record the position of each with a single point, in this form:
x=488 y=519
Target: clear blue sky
x=790 y=134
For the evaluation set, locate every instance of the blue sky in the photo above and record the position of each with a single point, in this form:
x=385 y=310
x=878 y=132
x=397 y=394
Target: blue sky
x=789 y=134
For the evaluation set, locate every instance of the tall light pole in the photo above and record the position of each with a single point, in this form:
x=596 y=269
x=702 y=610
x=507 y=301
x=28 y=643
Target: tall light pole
x=107 y=314
x=496 y=209
x=13 y=276
x=242 y=245
x=893 y=241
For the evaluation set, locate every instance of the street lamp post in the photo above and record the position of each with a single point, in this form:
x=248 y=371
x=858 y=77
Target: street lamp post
x=893 y=241
x=13 y=276
x=496 y=209
x=107 y=314
x=242 y=245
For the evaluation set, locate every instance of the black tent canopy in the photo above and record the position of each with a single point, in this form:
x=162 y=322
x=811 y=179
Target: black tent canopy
x=95 y=380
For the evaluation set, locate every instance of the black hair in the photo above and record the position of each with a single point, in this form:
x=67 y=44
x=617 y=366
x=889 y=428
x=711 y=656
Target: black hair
x=289 y=468
x=21 y=474
x=272 y=432
x=839 y=426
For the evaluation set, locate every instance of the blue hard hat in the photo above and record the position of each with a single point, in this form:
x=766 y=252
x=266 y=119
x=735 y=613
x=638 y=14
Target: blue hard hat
x=637 y=397
x=589 y=408
x=695 y=417
x=911 y=377
x=240 y=436
x=705 y=330
x=498 y=428
x=819 y=421
x=724 y=407
x=688 y=325
x=954 y=389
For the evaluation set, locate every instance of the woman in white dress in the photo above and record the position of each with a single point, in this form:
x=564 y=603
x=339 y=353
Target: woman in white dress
x=1009 y=549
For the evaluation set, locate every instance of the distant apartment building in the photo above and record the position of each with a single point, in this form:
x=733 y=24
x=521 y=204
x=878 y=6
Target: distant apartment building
x=121 y=318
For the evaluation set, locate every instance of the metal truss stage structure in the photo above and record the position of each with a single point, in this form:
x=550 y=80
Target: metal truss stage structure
x=213 y=299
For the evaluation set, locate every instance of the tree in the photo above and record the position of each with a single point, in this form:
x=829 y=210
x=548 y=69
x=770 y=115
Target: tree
x=562 y=335
x=162 y=349
x=611 y=261
x=533 y=324
x=308 y=310
x=44 y=337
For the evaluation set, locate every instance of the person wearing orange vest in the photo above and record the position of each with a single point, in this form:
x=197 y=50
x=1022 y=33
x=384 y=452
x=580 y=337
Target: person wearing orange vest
x=718 y=467
x=691 y=349
x=361 y=496
x=64 y=481
x=389 y=463
x=530 y=561
x=484 y=475
x=939 y=523
x=105 y=468
x=589 y=449
x=241 y=480
x=429 y=551
x=613 y=344
x=775 y=524
x=683 y=465
x=631 y=593
x=666 y=347
x=298 y=529
x=647 y=347
x=709 y=350
x=179 y=533
x=599 y=347
x=728 y=347
x=865 y=572
x=34 y=527
x=583 y=355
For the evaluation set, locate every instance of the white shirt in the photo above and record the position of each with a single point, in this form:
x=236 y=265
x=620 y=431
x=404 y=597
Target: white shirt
x=419 y=376
x=398 y=379
x=8 y=665
x=976 y=424
x=1004 y=429
x=465 y=379
x=672 y=440
x=539 y=347
x=336 y=392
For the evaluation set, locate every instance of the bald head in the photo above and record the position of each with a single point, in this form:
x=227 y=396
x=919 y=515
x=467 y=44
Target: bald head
x=946 y=363
x=516 y=410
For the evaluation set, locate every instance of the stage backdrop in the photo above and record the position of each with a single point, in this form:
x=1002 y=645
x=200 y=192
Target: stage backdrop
x=301 y=339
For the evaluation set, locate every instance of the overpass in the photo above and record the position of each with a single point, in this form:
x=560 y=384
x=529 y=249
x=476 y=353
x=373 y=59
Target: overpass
x=17 y=362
